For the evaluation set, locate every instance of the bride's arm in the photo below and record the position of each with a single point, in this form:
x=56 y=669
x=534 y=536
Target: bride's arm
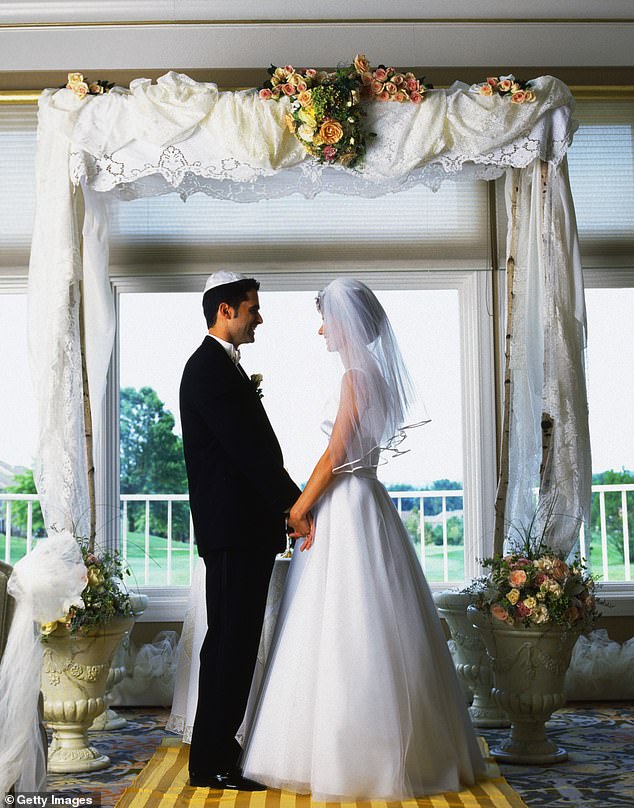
x=334 y=456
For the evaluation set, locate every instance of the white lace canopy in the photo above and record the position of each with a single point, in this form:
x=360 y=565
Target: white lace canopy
x=181 y=136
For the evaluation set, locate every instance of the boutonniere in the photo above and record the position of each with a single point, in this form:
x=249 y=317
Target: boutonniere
x=256 y=381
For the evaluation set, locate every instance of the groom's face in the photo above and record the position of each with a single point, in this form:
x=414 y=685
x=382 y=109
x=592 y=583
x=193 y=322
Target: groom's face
x=245 y=320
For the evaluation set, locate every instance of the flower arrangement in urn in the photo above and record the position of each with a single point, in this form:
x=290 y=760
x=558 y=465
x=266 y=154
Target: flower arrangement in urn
x=534 y=585
x=102 y=599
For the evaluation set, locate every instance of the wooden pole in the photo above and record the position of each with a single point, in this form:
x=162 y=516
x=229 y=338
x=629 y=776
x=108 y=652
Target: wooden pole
x=87 y=423
x=503 y=477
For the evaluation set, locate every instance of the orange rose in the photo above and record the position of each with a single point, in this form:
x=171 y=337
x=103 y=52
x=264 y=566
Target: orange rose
x=517 y=578
x=361 y=64
x=331 y=131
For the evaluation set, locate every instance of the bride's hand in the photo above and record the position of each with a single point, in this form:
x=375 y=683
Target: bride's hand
x=310 y=538
x=300 y=522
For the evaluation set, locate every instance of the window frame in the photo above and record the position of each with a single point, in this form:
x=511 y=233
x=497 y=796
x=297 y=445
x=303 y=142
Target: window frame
x=477 y=389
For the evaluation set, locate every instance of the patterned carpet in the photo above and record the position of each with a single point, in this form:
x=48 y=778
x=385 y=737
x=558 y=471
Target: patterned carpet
x=598 y=774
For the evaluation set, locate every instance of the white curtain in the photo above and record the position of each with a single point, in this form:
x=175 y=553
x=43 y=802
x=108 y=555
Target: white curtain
x=178 y=135
x=547 y=360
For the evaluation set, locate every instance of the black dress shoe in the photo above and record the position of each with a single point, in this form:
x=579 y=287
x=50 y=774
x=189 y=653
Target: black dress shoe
x=221 y=780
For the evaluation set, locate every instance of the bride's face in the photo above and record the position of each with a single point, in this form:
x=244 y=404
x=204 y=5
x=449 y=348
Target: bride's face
x=329 y=343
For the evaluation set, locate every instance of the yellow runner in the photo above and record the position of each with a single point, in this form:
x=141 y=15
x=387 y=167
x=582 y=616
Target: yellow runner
x=163 y=784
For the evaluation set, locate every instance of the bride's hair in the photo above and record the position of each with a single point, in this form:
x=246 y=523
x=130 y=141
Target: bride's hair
x=379 y=387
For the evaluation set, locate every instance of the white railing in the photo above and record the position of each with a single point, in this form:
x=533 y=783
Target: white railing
x=173 y=563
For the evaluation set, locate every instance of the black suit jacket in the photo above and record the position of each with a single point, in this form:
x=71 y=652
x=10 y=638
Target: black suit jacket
x=238 y=487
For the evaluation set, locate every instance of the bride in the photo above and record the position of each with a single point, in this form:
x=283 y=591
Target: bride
x=359 y=698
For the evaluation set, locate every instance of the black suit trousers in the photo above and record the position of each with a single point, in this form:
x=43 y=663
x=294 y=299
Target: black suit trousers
x=236 y=589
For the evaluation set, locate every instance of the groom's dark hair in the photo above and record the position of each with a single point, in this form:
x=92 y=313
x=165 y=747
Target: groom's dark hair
x=231 y=293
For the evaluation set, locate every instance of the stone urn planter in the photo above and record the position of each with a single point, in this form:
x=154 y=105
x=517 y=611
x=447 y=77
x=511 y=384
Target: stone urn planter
x=109 y=719
x=75 y=672
x=529 y=667
x=473 y=666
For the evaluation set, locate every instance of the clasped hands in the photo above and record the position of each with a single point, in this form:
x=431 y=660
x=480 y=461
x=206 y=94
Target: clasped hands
x=302 y=524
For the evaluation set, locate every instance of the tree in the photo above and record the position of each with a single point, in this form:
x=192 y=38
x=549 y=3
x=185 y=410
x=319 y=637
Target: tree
x=24 y=484
x=151 y=458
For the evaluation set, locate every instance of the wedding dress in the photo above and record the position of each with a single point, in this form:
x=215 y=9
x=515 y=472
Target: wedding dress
x=360 y=697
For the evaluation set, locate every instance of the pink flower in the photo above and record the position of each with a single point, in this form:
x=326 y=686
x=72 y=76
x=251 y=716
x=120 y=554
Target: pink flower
x=288 y=89
x=540 y=578
x=519 y=97
x=492 y=81
x=311 y=73
x=289 y=70
x=390 y=87
x=377 y=87
x=400 y=96
x=522 y=562
x=265 y=94
x=398 y=79
x=384 y=96
x=412 y=85
x=329 y=152
x=504 y=86
x=499 y=612
x=380 y=74
x=486 y=89
x=301 y=86
x=517 y=578
x=415 y=97
x=522 y=610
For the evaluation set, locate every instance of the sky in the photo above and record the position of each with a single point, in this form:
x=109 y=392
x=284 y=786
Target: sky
x=159 y=333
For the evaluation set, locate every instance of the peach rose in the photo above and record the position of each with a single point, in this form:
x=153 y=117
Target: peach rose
x=400 y=96
x=288 y=89
x=505 y=86
x=486 y=89
x=289 y=70
x=305 y=98
x=311 y=73
x=517 y=578
x=361 y=64
x=412 y=85
x=391 y=87
x=80 y=90
x=492 y=81
x=529 y=96
x=384 y=96
x=265 y=94
x=518 y=97
x=415 y=97
x=380 y=74
x=331 y=131
x=398 y=79
x=499 y=612
x=377 y=86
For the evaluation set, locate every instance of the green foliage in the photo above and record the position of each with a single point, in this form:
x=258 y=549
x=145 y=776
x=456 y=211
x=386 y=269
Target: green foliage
x=24 y=484
x=151 y=460
x=613 y=511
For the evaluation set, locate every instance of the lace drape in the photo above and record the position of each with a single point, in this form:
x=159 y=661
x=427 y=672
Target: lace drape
x=179 y=135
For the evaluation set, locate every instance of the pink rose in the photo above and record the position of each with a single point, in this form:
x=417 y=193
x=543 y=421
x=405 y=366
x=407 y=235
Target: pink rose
x=289 y=70
x=380 y=74
x=492 y=81
x=415 y=97
x=519 y=97
x=384 y=96
x=486 y=89
x=288 y=89
x=505 y=86
x=522 y=610
x=329 y=152
x=499 y=612
x=377 y=87
x=265 y=94
x=311 y=73
x=398 y=79
x=400 y=96
x=412 y=85
x=390 y=87
x=301 y=86
x=517 y=578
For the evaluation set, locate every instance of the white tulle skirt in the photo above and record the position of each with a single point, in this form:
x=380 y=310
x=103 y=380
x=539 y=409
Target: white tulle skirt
x=360 y=697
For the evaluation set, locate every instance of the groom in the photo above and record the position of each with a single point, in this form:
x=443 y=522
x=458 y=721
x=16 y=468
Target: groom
x=238 y=493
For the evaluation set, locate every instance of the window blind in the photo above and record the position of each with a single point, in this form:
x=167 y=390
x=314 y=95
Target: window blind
x=601 y=162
